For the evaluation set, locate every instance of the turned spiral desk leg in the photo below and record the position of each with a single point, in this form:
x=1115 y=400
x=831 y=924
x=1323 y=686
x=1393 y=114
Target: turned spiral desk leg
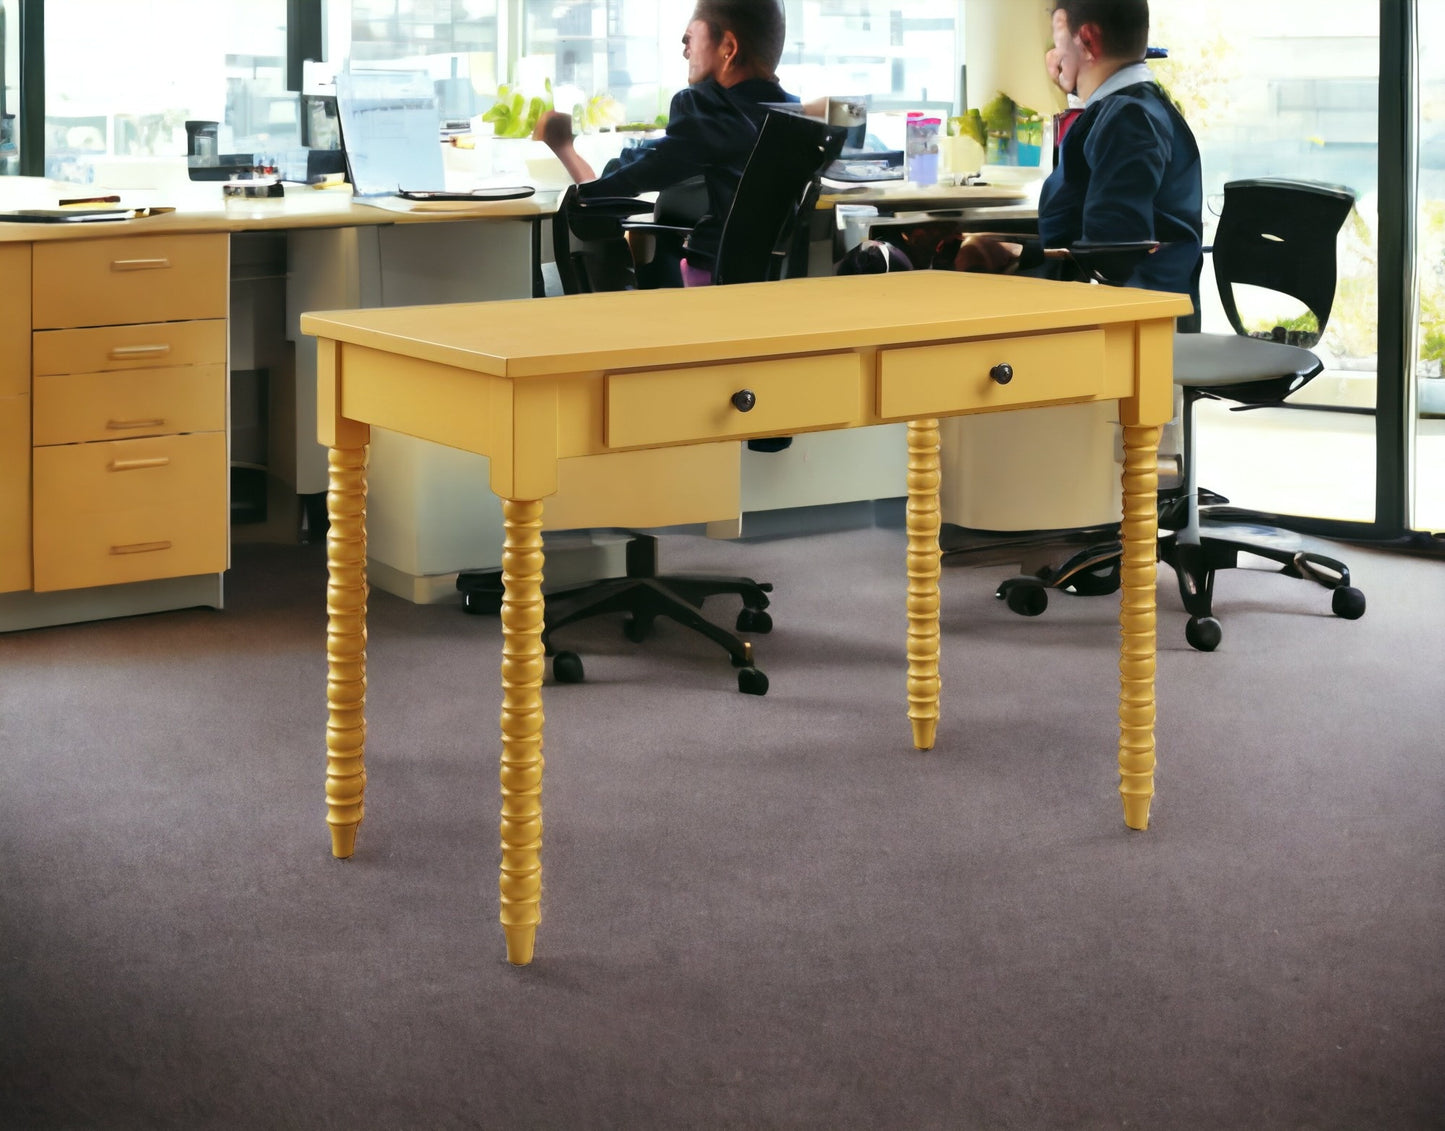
x=1137 y=623
x=346 y=647
x=523 y=661
x=923 y=570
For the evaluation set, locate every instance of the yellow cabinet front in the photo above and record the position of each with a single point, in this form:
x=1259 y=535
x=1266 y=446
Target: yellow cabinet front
x=131 y=510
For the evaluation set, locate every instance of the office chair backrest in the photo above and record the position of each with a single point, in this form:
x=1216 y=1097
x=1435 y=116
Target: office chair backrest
x=765 y=234
x=1280 y=234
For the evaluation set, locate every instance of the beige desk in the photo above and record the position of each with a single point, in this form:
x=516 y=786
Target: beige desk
x=541 y=386
x=117 y=342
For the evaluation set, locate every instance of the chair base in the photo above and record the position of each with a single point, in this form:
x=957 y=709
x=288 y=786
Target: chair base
x=643 y=595
x=1195 y=552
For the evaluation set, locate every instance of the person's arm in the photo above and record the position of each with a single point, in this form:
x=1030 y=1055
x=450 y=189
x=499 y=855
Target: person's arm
x=1127 y=151
x=555 y=128
x=679 y=154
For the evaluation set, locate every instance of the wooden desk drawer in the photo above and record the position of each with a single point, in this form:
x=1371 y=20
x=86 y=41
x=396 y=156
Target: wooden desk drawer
x=923 y=381
x=140 y=402
x=14 y=493
x=108 y=282
x=149 y=346
x=674 y=405
x=15 y=320
x=130 y=510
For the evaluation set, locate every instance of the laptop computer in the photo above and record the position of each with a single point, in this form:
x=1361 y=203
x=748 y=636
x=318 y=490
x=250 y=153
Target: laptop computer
x=390 y=126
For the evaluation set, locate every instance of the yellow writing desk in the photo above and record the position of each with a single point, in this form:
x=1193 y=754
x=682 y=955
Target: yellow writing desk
x=536 y=384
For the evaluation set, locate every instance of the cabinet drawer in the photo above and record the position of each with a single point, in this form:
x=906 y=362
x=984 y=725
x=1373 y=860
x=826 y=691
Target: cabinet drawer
x=671 y=405
x=131 y=510
x=127 y=403
x=15 y=320
x=106 y=282
x=923 y=381
x=151 y=346
x=14 y=493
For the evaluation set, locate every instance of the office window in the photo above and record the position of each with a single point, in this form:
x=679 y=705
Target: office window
x=1290 y=89
x=892 y=51
x=632 y=50
x=457 y=42
x=120 y=87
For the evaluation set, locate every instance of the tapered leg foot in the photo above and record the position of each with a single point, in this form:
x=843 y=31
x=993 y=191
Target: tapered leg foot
x=343 y=841
x=1136 y=812
x=521 y=941
x=924 y=559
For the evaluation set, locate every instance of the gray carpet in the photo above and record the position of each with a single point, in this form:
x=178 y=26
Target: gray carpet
x=757 y=912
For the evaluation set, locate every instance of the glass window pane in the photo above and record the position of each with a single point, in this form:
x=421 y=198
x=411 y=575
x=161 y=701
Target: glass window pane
x=9 y=88
x=893 y=51
x=1429 y=493
x=457 y=42
x=126 y=95
x=1289 y=89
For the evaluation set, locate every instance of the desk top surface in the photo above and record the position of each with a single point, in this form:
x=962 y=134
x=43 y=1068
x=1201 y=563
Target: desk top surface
x=900 y=196
x=590 y=333
x=200 y=207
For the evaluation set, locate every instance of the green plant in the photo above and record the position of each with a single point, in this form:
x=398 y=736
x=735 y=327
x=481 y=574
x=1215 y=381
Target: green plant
x=999 y=115
x=513 y=114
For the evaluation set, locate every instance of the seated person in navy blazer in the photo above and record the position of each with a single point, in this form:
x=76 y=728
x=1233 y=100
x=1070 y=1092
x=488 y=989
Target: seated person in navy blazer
x=1128 y=167
x=732 y=48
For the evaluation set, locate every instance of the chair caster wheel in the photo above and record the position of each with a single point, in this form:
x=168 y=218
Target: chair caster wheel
x=636 y=629
x=1348 y=602
x=1024 y=595
x=1203 y=633
x=755 y=620
x=567 y=667
x=482 y=604
x=752 y=682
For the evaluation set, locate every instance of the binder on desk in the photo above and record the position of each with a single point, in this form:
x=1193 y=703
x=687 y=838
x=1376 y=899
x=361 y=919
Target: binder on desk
x=66 y=215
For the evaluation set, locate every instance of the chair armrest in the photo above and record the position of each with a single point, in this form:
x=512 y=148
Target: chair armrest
x=650 y=226
x=1106 y=262
x=618 y=206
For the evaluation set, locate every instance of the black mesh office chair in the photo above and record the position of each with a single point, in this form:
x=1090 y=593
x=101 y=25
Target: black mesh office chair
x=764 y=238
x=1276 y=234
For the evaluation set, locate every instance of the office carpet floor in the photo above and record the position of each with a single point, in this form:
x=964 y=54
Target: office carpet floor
x=758 y=912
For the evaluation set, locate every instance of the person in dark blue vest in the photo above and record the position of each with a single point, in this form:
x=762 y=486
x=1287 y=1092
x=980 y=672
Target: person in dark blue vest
x=732 y=48
x=1128 y=168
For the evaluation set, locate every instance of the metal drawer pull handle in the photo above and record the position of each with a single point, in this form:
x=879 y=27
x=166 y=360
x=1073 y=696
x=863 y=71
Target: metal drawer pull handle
x=121 y=352
x=744 y=400
x=138 y=464
x=123 y=425
x=141 y=548
x=138 y=264
x=1002 y=373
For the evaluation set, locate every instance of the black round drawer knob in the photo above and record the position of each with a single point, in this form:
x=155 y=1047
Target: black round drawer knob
x=1003 y=373
x=744 y=400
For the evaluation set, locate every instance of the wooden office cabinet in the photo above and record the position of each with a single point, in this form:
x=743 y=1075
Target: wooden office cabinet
x=128 y=364
x=15 y=418
x=14 y=494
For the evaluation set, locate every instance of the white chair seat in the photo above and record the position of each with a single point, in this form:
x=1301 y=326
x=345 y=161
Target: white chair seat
x=1204 y=361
